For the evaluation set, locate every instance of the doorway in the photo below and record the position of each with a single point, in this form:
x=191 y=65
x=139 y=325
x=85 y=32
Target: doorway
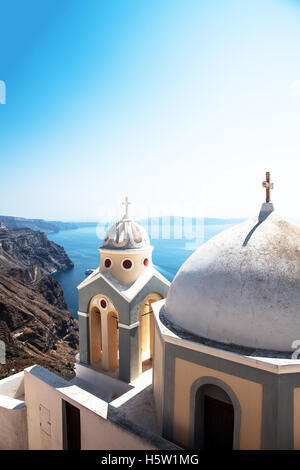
x=214 y=419
x=71 y=427
x=218 y=424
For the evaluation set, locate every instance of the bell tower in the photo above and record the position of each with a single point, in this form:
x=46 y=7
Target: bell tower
x=115 y=303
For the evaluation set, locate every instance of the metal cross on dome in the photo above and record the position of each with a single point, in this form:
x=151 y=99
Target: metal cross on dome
x=126 y=204
x=268 y=186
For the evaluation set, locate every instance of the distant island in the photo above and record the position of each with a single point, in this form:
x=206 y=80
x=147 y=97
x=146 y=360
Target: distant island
x=41 y=224
x=178 y=220
x=56 y=226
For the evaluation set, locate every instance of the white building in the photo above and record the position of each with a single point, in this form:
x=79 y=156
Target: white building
x=222 y=345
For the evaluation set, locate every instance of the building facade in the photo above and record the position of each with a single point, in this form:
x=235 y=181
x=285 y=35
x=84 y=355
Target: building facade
x=210 y=362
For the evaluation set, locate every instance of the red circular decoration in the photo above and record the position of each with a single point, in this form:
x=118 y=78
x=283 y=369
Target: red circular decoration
x=103 y=303
x=107 y=263
x=127 y=264
x=146 y=262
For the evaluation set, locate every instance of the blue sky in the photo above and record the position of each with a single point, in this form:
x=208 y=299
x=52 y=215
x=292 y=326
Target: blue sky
x=182 y=105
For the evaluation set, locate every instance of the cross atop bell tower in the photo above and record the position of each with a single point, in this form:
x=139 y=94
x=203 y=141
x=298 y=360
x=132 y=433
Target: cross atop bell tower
x=268 y=186
x=126 y=203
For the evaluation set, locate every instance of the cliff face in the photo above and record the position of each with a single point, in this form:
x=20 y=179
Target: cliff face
x=23 y=248
x=34 y=321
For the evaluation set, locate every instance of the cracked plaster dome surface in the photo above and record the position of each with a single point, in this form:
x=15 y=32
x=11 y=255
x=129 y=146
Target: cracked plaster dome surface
x=126 y=234
x=242 y=287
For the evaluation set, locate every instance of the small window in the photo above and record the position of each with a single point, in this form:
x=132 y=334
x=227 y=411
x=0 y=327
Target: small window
x=108 y=263
x=127 y=264
x=103 y=303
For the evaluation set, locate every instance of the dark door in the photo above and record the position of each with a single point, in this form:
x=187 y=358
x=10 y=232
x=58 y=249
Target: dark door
x=72 y=427
x=218 y=424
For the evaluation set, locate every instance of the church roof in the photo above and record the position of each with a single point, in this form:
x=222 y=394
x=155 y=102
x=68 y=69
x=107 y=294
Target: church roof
x=242 y=286
x=129 y=291
x=126 y=234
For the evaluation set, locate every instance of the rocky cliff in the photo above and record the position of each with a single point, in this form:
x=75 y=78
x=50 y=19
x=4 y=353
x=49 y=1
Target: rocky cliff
x=23 y=248
x=34 y=321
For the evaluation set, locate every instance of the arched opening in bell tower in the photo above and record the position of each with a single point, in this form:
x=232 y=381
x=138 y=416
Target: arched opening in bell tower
x=104 y=333
x=113 y=340
x=146 y=329
x=96 y=340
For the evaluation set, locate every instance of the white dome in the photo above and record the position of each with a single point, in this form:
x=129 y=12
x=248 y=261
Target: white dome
x=126 y=234
x=242 y=287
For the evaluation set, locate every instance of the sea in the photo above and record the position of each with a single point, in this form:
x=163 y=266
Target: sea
x=172 y=247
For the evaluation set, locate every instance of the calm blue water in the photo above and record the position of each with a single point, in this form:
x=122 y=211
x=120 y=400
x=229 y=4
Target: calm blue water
x=82 y=247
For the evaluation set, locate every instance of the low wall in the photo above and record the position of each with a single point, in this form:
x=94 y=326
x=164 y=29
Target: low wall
x=13 y=425
x=13 y=386
x=113 y=386
x=46 y=391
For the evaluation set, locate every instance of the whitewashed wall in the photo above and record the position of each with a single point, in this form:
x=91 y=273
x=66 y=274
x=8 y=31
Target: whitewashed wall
x=43 y=388
x=13 y=421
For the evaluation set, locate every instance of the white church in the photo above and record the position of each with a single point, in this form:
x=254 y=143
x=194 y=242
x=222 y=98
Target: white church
x=208 y=362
